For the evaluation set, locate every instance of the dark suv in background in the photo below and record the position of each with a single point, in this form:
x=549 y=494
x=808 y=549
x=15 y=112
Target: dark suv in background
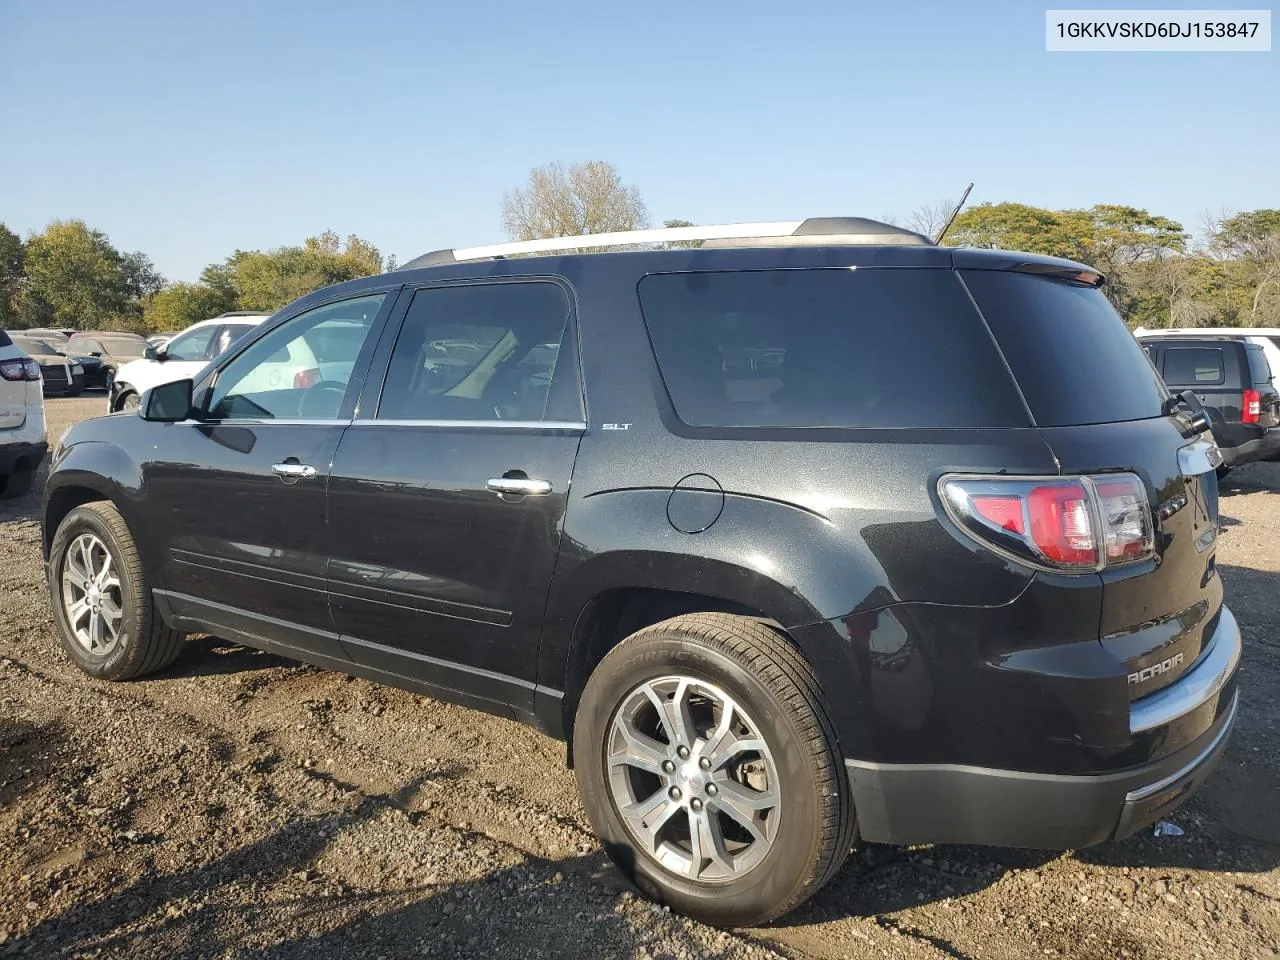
x=807 y=534
x=1234 y=382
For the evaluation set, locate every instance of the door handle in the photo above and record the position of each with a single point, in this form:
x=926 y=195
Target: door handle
x=293 y=471
x=519 y=486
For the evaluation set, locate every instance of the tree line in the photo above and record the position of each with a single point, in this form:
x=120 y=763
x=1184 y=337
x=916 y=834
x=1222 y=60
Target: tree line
x=70 y=275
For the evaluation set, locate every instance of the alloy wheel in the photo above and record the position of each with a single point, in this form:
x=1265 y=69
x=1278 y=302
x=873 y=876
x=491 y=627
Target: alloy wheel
x=91 y=595
x=692 y=778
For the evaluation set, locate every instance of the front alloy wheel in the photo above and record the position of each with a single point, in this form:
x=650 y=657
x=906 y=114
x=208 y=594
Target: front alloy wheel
x=91 y=595
x=102 y=601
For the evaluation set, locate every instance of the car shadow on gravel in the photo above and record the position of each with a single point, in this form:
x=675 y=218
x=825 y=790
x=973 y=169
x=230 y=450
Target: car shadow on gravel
x=158 y=900
x=207 y=656
x=28 y=755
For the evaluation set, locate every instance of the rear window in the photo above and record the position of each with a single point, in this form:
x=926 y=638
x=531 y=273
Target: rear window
x=1068 y=348
x=120 y=347
x=826 y=348
x=1194 y=366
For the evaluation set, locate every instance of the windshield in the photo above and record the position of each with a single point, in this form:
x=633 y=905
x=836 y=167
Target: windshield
x=120 y=347
x=34 y=348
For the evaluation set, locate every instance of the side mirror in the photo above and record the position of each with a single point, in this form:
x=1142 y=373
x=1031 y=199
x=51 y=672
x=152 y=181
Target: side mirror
x=167 y=403
x=96 y=353
x=150 y=353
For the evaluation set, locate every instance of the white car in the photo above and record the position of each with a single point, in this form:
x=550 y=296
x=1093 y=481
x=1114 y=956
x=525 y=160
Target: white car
x=1268 y=338
x=23 y=441
x=181 y=358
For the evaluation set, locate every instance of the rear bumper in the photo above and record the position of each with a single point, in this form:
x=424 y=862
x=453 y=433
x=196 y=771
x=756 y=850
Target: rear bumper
x=11 y=453
x=953 y=803
x=1265 y=447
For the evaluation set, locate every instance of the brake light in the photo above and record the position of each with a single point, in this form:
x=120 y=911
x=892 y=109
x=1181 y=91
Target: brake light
x=1061 y=527
x=1251 y=404
x=306 y=378
x=24 y=369
x=1074 y=524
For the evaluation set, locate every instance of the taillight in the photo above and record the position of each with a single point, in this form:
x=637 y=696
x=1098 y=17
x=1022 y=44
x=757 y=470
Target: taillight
x=306 y=378
x=1063 y=523
x=1251 y=404
x=23 y=369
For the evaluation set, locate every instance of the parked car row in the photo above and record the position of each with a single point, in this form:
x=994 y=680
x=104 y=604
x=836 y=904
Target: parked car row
x=780 y=577
x=97 y=354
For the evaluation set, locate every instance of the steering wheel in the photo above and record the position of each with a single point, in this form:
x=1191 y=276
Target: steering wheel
x=322 y=400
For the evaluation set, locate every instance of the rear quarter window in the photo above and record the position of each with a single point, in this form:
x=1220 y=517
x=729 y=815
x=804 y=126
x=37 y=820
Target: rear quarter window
x=866 y=348
x=1068 y=348
x=4 y=340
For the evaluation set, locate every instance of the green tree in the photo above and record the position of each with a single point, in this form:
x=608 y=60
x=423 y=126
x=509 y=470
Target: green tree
x=1249 y=243
x=12 y=274
x=179 y=305
x=681 y=244
x=1112 y=238
x=76 y=278
x=268 y=280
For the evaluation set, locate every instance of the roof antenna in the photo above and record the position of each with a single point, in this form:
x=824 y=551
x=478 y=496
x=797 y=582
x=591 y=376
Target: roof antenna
x=954 y=213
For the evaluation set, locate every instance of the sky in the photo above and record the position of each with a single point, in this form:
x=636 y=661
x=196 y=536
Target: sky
x=190 y=130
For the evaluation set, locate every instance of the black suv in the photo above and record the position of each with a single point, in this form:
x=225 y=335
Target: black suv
x=1234 y=382
x=810 y=533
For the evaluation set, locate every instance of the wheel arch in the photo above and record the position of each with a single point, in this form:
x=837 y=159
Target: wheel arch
x=606 y=608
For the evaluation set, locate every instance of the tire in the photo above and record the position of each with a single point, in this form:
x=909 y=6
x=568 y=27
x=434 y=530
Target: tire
x=140 y=642
x=129 y=401
x=809 y=831
x=17 y=483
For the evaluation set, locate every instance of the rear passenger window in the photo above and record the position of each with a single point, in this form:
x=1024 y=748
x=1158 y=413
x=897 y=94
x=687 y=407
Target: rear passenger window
x=477 y=352
x=1193 y=366
x=826 y=348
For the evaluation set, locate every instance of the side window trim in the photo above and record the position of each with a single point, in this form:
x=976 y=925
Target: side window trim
x=376 y=379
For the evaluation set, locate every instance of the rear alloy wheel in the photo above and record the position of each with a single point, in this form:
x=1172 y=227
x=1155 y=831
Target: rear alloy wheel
x=130 y=401
x=708 y=811
x=102 y=603
x=710 y=769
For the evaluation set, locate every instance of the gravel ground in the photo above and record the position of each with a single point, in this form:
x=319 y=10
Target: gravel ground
x=242 y=805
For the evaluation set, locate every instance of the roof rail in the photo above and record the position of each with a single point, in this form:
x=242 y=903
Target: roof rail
x=816 y=231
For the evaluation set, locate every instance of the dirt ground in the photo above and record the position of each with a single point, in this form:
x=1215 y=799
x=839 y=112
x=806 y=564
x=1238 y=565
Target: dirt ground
x=243 y=805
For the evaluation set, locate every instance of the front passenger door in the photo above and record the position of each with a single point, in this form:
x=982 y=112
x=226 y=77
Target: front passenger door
x=240 y=493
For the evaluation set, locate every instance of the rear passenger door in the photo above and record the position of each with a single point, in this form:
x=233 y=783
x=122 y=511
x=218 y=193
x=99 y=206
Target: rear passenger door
x=447 y=494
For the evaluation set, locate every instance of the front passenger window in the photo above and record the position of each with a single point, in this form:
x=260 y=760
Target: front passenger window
x=300 y=370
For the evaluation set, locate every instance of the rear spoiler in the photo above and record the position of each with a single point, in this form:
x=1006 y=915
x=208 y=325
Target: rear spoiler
x=1074 y=274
